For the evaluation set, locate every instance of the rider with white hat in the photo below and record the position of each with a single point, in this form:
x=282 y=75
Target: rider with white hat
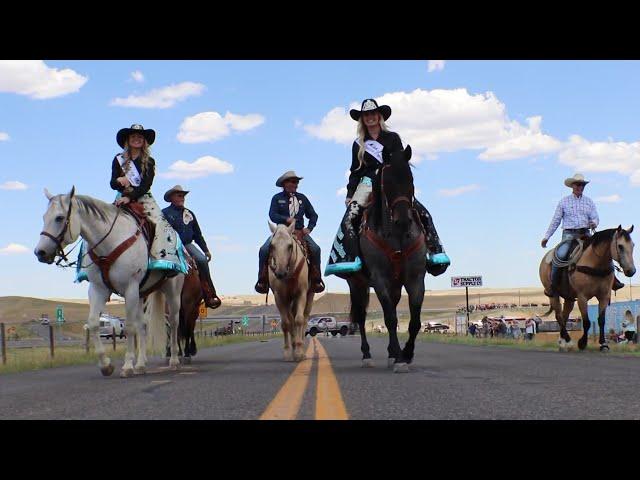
x=578 y=215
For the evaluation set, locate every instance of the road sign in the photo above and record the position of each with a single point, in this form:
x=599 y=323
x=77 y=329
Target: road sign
x=466 y=281
x=203 y=310
x=245 y=321
x=59 y=314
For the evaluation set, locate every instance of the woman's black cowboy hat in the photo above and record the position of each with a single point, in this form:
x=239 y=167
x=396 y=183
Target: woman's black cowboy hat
x=369 y=105
x=123 y=134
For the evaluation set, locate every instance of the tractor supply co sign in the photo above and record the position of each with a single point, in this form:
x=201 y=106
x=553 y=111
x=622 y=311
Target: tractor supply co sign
x=466 y=281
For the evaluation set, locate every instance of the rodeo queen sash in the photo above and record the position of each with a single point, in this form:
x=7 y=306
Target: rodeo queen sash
x=132 y=173
x=374 y=149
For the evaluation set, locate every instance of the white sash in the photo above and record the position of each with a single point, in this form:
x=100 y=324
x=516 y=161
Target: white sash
x=132 y=175
x=374 y=149
x=187 y=217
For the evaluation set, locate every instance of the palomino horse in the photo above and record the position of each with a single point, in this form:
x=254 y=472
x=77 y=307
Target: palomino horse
x=115 y=241
x=592 y=277
x=392 y=243
x=289 y=281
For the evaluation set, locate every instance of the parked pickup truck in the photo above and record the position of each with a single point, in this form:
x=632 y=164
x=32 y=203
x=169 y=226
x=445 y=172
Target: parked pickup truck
x=329 y=324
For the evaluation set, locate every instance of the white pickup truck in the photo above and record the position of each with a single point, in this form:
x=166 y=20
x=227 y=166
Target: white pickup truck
x=329 y=324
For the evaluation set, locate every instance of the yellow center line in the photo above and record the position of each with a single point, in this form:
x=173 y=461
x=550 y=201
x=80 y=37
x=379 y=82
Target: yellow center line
x=287 y=402
x=329 y=402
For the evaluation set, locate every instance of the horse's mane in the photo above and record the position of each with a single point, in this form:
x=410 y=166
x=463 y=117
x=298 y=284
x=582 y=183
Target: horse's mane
x=604 y=236
x=94 y=207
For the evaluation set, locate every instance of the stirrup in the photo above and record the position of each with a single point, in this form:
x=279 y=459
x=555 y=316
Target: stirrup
x=438 y=259
x=343 y=267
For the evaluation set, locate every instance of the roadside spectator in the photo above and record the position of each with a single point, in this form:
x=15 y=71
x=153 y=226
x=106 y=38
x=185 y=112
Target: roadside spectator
x=515 y=331
x=473 y=329
x=629 y=329
x=530 y=329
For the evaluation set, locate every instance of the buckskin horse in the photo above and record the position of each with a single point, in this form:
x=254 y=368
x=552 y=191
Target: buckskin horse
x=119 y=255
x=591 y=276
x=289 y=281
x=392 y=243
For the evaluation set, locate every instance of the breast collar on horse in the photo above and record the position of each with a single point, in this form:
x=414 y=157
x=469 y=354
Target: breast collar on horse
x=394 y=256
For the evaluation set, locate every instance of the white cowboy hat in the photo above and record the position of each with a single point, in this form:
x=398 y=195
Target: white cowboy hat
x=578 y=177
x=286 y=176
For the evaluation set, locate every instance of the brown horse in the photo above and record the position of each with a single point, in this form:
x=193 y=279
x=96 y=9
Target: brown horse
x=191 y=298
x=592 y=276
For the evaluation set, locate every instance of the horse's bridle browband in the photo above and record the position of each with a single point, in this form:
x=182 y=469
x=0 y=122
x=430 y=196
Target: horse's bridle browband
x=60 y=237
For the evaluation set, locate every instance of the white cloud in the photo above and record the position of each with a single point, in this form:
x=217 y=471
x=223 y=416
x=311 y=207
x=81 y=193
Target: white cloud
x=36 y=80
x=522 y=142
x=342 y=192
x=14 y=249
x=211 y=126
x=587 y=156
x=13 y=185
x=454 y=192
x=615 y=198
x=434 y=121
x=137 y=76
x=202 y=167
x=164 y=97
x=436 y=65
x=4 y=136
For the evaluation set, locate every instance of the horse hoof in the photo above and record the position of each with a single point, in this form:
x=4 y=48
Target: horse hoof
x=126 y=373
x=367 y=363
x=107 y=371
x=173 y=364
x=401 y=368
x=391 y=362
x=604 y=348
x=140 y=370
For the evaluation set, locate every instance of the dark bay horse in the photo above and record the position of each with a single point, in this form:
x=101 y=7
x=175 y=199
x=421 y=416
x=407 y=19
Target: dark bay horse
x=392 y=244
x=591 y=277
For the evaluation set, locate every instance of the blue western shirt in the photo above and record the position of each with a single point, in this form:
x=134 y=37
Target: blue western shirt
x=188 y=231
x=295 y=205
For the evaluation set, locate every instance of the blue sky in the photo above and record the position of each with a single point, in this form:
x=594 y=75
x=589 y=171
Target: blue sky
x=494 y=141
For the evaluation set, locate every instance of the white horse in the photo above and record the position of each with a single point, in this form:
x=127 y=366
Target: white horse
x=289 y=281
x=105 y=228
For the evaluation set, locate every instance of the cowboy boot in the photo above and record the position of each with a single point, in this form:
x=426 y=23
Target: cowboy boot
x=211 y=299
x=262 y=285
x=617 y=284
x=317 y=285
x=552 y=290
x=345 y=251
x=437 y=260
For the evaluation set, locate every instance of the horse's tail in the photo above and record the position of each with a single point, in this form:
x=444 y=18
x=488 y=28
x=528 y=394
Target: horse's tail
x=155 y=320
x=548 y=311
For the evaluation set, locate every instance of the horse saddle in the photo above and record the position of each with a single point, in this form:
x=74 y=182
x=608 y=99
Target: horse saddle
x=574 y=252
x=136 y=210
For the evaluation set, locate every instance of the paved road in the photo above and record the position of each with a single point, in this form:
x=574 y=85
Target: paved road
x=250 y=381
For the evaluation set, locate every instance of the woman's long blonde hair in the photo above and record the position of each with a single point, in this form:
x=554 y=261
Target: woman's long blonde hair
x=145 y=153
x=362 y=131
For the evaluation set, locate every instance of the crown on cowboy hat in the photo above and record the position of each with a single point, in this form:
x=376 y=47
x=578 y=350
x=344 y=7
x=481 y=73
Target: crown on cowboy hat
x=369 y=105
x=172 y=190
x=577 y=178
x=287 y=176
x=123 y=134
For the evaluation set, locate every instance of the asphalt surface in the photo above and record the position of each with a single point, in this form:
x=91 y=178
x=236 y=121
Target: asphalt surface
x=239 y=381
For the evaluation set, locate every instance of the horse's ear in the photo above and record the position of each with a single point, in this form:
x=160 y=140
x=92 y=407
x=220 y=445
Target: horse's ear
x=630 y=230
x=272 y=226
x=407 y=153
x=72 y=192
x=619 y=228
x=47 y=194
x=292 y=227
